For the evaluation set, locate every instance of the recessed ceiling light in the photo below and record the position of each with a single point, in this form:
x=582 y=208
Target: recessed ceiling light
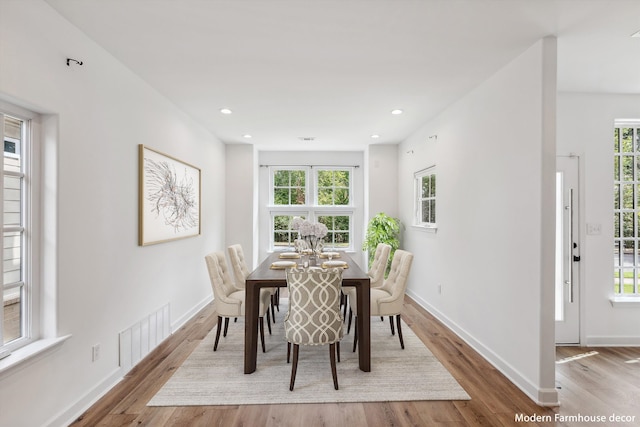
x=636 y=34
x=397 y=111
x=225 y=111
x=375 y=136
x=246 y=136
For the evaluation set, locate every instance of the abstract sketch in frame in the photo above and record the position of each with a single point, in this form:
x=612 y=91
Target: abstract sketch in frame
x=169 y=198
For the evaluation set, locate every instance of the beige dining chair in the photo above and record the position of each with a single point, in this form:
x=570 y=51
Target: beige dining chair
x=241 y=271
x=228 y=300
x=314 y=316
x=388 y=299
x=376 y=274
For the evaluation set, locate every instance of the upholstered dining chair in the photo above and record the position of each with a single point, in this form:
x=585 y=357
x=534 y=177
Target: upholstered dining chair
x=314 y=316
x=228 y=299
x=388 y=299
x=376 y=274
x=241 y=271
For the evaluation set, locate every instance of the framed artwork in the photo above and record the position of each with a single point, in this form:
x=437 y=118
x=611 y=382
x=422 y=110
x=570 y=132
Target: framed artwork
x=169 y=198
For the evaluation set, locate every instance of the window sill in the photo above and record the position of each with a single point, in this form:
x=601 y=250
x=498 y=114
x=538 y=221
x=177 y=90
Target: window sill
x=426 y=228
x=625 y=302
x=29 y=353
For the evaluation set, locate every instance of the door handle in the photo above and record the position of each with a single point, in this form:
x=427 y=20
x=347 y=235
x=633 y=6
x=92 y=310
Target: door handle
x=576 y=258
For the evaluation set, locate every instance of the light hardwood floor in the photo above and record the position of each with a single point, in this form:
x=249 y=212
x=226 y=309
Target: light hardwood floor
x=592 y=382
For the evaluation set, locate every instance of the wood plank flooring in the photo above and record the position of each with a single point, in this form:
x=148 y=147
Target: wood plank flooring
x=592 y=382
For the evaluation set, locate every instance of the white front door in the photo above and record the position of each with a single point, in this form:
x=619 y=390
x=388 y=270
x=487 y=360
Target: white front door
x=567 y=311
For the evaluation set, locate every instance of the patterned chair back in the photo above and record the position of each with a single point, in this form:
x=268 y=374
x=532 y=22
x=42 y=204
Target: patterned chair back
x=314 y=316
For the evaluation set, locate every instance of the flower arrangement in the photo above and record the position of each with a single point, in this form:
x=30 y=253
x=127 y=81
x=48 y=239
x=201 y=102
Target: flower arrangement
x=312 y=233
x=306 y=228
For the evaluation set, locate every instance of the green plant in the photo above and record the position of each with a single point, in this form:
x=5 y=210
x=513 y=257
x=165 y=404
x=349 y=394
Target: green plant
x=382 y=228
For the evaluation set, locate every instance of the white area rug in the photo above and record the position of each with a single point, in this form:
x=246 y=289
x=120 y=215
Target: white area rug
x=217 y=378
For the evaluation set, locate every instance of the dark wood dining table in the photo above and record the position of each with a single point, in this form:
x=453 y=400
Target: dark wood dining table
x=266 y=277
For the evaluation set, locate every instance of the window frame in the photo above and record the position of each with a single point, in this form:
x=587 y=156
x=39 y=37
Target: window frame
x=29 y=295
x=316 y=183
x=272 y=186
x=312 y=209
x=620 y=210
x=419 y=199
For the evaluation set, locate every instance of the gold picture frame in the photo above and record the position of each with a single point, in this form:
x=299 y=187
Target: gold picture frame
x=169 y=198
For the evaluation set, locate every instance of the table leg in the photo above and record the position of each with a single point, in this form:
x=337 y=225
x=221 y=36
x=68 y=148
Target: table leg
x=363 y=323
x=252 y=305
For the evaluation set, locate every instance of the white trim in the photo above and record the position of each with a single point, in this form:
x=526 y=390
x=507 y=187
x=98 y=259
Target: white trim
x=620 y=301
x=541 y=396
x=30 y=353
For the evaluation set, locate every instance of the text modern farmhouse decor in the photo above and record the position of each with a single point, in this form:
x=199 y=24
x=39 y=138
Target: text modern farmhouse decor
x=169 y=198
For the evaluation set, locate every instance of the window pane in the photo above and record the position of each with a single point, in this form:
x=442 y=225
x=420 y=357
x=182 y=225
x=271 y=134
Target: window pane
x=281 y=196
x=12 y=201
x=325 y=196
x=627 y=140
x=281 y=238
x=425 y=211
x=341 y=196
x=325 y=179
x=628 y=197
x=338 y=226
x=637 y=139
x=12 y=314
x=616 y=142
x=298 y=178
x=616 y=196
x=616 y=168
x=616 y=224
x=627 y=281
x=432 y=211
x=628 y=229
x=281 y=178
x=627 y=168
x=433 y=186
x=616 y=254
x=426 y=186
x=12 y=259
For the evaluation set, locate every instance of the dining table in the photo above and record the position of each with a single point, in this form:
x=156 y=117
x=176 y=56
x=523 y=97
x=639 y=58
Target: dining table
x=266 y=276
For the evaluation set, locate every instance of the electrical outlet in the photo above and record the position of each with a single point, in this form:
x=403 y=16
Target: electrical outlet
x=95 y=352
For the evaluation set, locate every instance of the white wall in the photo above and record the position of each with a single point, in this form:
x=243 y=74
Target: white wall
x=383 y=180
x=240 y=211
x=585 y=128
x=105 y=281
x=491 y=254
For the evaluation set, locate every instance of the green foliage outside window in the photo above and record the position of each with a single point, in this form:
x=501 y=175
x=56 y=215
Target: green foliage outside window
x=333 y=187
x=289 y=187
x=338 y=226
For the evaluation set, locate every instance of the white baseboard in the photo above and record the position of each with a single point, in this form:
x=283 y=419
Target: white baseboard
x=542 y=397
x=189 y=315
x=595 y=341
x=69 y=415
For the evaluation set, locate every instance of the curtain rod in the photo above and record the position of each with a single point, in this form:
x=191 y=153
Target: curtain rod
x=311 y=166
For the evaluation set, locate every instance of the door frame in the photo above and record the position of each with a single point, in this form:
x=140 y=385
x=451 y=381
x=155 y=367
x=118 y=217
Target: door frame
x=579 y=238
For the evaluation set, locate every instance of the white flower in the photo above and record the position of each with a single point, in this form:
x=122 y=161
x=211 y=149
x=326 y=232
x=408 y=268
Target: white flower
x=296 y=222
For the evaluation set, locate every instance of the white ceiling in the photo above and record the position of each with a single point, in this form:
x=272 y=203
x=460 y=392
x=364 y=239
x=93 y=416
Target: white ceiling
x=334 y=70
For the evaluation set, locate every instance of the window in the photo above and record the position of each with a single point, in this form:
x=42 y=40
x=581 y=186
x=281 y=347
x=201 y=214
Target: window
x=289 y=187
x=626 y=207
x=425 y=190
x=320 y=194
x=283 y=235
x=15 y=310
x=334 y=187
